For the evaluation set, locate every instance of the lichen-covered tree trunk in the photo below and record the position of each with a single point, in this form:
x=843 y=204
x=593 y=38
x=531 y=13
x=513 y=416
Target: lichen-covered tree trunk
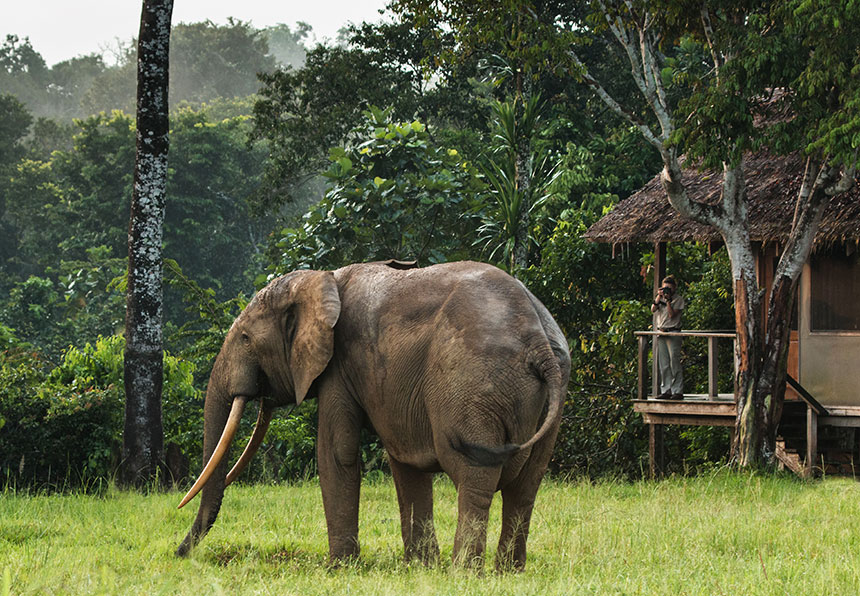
x=774 y=369
x=749 y=429
x=733 y=224
x=819 y=184
x=143 y=436
x=522 y=148
x=520 y=256
x=730 y=218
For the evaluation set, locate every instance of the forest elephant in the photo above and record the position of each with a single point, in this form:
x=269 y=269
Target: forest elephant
x=457 y=367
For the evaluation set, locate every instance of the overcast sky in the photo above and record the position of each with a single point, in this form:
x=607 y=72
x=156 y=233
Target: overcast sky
x=61 y=29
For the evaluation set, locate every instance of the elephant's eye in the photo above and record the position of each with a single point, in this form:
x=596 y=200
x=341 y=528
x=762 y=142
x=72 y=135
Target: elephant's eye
x=245 y=339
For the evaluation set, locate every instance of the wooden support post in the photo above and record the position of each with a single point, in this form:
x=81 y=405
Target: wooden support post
x=655 y=450
x=855 y=452
x=811 y=441
x=712 y=367
x=643 y=352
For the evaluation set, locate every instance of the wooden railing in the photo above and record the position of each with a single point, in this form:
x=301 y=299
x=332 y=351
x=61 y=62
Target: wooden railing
x=712 y=336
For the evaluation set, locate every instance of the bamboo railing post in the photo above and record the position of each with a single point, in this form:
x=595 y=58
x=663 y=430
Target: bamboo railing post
x=643 y=350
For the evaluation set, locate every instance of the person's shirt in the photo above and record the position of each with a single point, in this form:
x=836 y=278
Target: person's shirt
x=662 y=320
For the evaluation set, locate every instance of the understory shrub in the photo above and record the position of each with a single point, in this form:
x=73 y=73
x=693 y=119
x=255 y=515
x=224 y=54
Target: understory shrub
x=54 y=434
x=62 y=426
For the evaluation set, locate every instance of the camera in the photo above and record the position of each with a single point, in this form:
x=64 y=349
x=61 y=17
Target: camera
x=666 y=290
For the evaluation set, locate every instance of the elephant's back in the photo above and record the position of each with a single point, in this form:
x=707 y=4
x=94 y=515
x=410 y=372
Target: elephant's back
x=462 y=295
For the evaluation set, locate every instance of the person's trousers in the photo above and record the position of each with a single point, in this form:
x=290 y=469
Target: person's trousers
x=669 y=364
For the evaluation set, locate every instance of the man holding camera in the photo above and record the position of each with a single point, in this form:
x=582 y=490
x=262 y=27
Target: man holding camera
x=668 y=308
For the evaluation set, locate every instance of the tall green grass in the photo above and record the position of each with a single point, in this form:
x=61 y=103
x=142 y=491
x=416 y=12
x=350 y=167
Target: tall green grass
x=725 y=533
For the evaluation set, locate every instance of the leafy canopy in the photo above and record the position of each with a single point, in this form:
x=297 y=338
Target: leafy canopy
x=392 y=194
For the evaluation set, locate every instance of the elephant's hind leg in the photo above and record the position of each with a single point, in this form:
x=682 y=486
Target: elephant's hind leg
x=517 y=505
x=415 y=497
x=518 y=498
x=475 y=488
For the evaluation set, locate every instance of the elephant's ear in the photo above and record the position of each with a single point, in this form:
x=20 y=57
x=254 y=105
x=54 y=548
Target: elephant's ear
x=317 y=310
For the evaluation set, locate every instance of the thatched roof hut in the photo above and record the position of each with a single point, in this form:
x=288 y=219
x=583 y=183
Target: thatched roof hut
x=772 y=186
x=825 y=343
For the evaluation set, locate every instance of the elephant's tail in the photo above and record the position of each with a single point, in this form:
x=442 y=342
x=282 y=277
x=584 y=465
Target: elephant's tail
x=550 y=371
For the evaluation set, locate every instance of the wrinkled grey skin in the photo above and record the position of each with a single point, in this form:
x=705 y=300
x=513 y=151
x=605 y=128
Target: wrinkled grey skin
x=454 y=366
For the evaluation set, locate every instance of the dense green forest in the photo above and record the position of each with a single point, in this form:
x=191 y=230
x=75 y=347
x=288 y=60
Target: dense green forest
x=398 y=141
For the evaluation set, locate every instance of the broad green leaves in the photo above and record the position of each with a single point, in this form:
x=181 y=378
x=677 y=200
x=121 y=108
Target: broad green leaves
x=391 y=194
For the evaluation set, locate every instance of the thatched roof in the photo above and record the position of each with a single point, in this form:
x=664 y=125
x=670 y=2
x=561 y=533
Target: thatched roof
x=772 y=186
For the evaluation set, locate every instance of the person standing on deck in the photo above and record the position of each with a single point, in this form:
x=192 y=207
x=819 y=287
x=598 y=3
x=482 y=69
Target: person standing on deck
x=668 y=308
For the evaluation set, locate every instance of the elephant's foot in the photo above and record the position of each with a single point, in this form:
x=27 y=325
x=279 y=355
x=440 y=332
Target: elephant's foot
x=425 y=551
x=342 y=550
x=511 y=554
x=475 y=495
x=508 y=562
x=469 y=549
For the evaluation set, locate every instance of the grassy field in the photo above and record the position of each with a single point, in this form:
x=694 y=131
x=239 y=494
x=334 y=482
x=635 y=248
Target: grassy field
x=724 y=533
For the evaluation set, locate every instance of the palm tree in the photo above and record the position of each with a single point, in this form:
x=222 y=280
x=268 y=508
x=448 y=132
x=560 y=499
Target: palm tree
x=521 y=180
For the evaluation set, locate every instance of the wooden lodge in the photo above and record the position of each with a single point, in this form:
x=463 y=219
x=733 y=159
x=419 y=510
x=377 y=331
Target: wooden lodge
x=818 y=430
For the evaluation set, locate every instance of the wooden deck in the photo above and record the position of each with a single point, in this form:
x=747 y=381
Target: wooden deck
x=847 y=416
x=694 y=410
x=701 y=410
x=798 y=441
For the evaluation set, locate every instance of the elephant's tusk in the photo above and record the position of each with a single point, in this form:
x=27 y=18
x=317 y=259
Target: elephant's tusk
x=260 y=429
x=220 y=449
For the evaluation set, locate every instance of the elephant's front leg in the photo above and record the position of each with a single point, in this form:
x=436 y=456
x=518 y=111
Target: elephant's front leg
x=415 y=497
x=339 y=463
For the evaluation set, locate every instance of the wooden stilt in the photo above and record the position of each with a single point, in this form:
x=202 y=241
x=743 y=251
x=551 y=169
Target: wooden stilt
x=811 y=442
x=655 y=450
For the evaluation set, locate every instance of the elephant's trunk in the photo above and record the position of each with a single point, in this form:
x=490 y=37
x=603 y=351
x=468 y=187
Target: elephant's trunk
x=221 y=420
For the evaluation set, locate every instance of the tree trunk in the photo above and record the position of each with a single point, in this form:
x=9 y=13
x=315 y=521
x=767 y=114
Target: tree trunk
x=731 y=220
x=751 y=411
x=812 y=199
x=143 y=436
x=522 y=172
x=775 y=359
